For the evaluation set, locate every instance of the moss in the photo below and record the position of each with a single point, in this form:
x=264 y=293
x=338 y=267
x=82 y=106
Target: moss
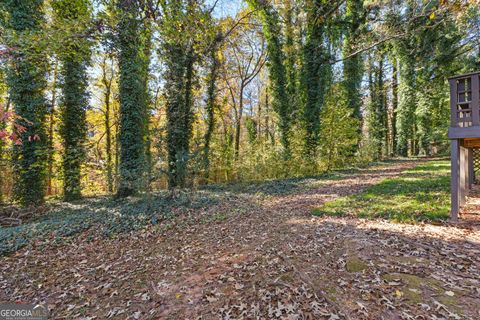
x=416 y=286
x=355 y=264
x=452 y=302
x=413 y=283
x=405 y=259
x=331 y=293
x=413 y=295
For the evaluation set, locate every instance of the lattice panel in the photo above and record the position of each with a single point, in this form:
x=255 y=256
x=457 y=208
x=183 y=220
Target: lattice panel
x=476 y=165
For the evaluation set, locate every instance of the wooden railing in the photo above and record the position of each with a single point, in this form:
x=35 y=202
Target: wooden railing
x=465 y=100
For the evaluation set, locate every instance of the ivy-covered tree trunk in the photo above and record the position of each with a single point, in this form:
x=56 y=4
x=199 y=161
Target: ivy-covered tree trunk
x=406 y=52
x=406 y=106
x=132 y=100
x=74 y=54
x=51 y=130
x=211 y=103
x=146 y=39
x=73 y=129
x=316 y=76
x=353 y=68
x=26 y=81
x=423 y=112
x=394 y=107
x=291 y=53
x=353 y=64
x=377 y=109
x=179 y=52
x=176 y=117
x=178 y=120
x=278 y=76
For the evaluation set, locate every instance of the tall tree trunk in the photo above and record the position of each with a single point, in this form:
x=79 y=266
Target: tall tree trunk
x=291 y=54
x=51 y=123
x=179 y=112
x=132 y=100
x=315 y=77
x=238 y=123
x=371 y=108
x=394 y=107
x=26 y=79
x=180 y=58
x=2 y=145
x=75 y=57
x=146 y=102
x=278 y=75
x=377 y=109
x=107 y=83
x=382 y=108
x=210 y=104
x=406 y=107
x=353 y=65
x=406 y=49
x=108 y=143
x=73 y=130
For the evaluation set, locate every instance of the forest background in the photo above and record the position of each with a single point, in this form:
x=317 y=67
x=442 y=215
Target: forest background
x=127 y=96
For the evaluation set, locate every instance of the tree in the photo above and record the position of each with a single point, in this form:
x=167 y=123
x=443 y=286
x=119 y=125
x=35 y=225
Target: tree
x=407 y=93
x=132 y=99
x=377 y=108
x=353 y=63
x=316 y=75
x=74 y=53
x=212 y=77
x=51 y=128
x=26 y=81
x=178 y=55
x=107 y=80
x=183 y=33
x=246 y=58
x=145 y=54
x=276 y=64
x=394 y=89
x=292 y=44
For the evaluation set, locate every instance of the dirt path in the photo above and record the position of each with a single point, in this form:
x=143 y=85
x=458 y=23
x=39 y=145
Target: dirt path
x=273 y=261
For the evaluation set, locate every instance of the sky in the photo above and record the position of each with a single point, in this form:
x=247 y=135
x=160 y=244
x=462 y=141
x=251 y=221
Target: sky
x=226 y=7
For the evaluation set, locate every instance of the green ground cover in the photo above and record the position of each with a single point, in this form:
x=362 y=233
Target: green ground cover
x=419 y=194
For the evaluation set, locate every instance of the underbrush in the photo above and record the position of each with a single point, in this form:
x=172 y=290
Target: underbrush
x=108 y=217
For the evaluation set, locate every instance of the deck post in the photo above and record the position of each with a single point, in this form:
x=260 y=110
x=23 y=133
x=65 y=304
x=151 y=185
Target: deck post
x=471 y=174
x=466 y=168
x=463 y=177
x=454 y=184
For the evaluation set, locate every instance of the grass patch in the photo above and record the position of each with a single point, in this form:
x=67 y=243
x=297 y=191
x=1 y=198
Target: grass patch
x=419 y=194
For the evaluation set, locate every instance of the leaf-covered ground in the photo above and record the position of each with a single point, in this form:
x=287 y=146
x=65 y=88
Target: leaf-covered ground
x=256 y=253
